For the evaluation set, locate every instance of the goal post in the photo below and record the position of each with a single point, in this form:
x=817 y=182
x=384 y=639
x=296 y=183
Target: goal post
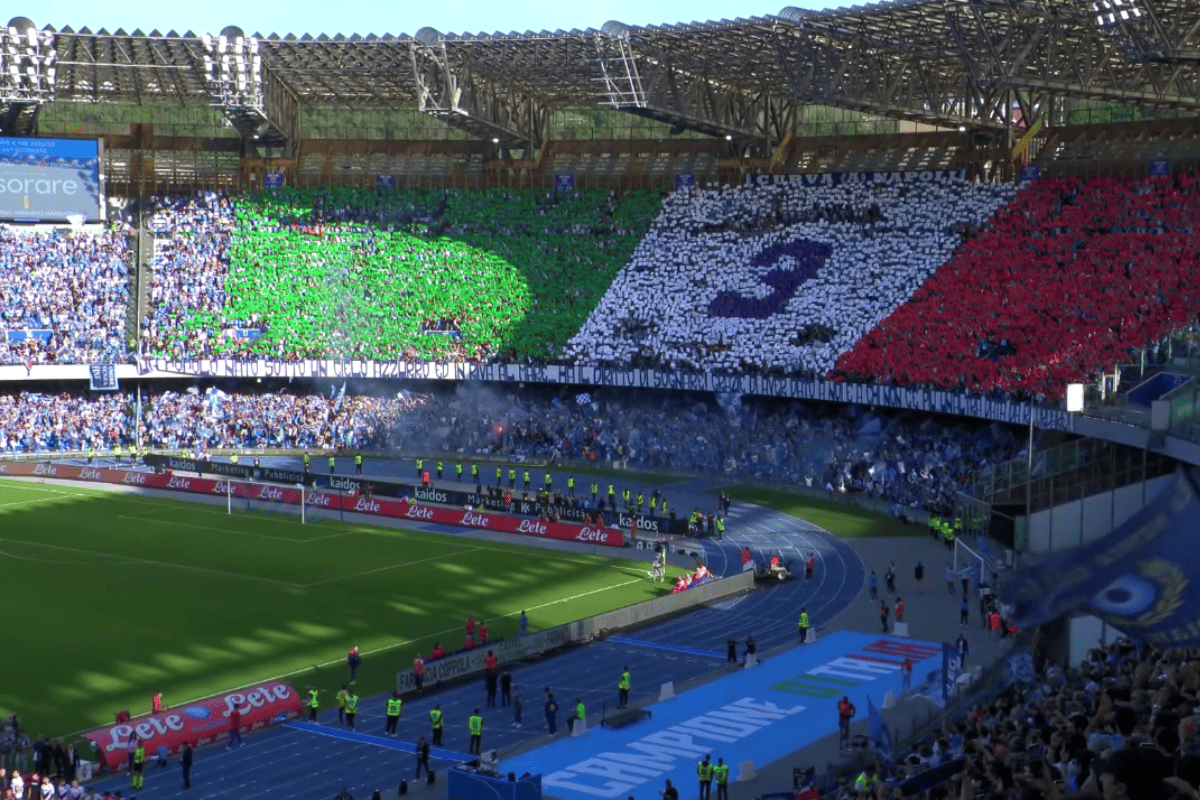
x=300 y=503
x=972 y=563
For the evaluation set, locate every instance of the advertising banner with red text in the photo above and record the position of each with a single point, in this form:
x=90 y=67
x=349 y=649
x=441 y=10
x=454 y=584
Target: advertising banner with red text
x=202 y=722
x=267 y=493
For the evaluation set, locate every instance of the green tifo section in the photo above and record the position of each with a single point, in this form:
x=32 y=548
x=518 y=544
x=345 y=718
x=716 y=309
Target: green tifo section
x=510 y=274
x=121 y=596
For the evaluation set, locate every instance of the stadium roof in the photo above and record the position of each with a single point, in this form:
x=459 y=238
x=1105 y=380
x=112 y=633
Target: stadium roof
x=974 y=63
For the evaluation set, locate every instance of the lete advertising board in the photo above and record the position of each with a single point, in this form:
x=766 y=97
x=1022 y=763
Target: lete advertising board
x=201 y=722
x=266 y=493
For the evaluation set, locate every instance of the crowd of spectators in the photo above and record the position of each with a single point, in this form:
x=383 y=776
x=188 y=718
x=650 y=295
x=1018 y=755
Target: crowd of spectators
x=911 y=281
x=189 y=269
x=784 y=277
x=197 y=421
x=1069 y=280
x=64 y=295
x=414 y=274
x=907 y=460
x=1121 y=726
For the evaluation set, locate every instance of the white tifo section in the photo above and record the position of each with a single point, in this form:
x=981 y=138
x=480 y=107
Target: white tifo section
x=703 y=242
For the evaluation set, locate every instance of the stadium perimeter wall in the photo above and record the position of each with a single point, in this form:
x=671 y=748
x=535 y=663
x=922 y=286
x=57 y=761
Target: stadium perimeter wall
x=470 y=663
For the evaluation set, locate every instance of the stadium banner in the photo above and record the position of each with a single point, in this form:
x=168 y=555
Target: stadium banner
x=1143 y=578
x=839 y=178
x=50 y=180
x=200 y=722
x=609 y=537
x=933 y=401
x=386 y=489
x=402 y=509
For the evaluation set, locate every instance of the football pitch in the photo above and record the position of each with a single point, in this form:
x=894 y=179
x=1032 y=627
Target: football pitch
x=116 y=596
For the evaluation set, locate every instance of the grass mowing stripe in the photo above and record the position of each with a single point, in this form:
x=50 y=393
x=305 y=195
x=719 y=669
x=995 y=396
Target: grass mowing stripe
x=438 y=557
x=211 y=528
x=153 y=563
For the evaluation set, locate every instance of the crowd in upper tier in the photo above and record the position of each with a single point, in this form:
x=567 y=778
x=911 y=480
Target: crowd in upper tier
x=912 y=280
x=784 y=277
x=416 y=275
x=64 y=295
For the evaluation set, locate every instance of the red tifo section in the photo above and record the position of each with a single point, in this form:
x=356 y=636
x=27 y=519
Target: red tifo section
x=1068 y=279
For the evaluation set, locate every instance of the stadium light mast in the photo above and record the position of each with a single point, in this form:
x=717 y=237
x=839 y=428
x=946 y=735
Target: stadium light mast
x=254 y=101
x=27 y=75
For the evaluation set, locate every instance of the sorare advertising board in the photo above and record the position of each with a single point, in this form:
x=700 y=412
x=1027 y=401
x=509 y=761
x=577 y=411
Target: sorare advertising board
x=49 y=180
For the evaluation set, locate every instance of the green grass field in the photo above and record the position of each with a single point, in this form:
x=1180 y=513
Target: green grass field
x=116 y=596
x=841 y=519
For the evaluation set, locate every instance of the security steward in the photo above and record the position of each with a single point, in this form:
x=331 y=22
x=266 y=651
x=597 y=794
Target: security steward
x=358 y=463
x=458 y=471
x=137 y=780
x=313 y=703
x=393 y=713
x=704 y=771
x=721 y=773
x=623 y=688
x=475 y=725
x=803 y=625
x=420 y=467
x=439 y=470
x=307 y=462
x=571 y=486
x=332 y=465
x=351 y=708
x=438 y=722
x=580 y=714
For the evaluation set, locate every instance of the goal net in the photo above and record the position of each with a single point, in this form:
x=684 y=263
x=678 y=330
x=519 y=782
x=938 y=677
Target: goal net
x=295 y=501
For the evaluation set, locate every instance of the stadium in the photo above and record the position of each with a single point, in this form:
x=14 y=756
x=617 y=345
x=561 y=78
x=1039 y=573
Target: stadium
x=803 y=403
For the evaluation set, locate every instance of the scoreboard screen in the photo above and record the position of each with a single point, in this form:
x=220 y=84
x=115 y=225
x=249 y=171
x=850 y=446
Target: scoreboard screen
x=50 y=180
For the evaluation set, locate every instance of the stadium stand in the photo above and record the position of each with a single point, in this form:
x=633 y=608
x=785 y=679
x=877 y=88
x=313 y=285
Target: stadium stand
x=1122 y=725
x=784 y=277
x=64 y=295
x=909 y=461
x=419 y=274
x=73 y=422
x=1069 y=280
x=906 y=461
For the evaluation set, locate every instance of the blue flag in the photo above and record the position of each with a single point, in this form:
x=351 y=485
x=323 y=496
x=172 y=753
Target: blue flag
x=341 y=396
x=1143 y=578
x=881 y=737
